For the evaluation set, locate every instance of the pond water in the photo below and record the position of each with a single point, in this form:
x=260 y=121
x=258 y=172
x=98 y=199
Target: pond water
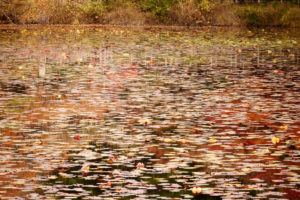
x=149 y=113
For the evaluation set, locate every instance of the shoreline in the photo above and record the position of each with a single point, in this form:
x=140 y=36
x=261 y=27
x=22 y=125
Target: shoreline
x=166 y=27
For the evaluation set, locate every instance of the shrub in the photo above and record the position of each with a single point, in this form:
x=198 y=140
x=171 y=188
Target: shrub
x=186 y=13
x=11 y=11
x=292 y=17
x=182 y=12
x=158 y=8
x=53 y=12
x=125 y=15
x=123 y=12
x=271 y=14
x=250 y=16
x=94 y=11
x=206 y=5
x=225 y=15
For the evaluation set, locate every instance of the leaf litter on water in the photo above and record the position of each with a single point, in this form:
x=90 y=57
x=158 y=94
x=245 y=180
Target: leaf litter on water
x=200 y=134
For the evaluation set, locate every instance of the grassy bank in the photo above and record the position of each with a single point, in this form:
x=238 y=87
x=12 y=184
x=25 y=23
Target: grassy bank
x=141 y=12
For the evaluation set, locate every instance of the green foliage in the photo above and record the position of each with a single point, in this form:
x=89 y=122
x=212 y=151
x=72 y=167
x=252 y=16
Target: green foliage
x=181 y=12
x=268 y=14
x=95 y=10
x=206 y=5
x=250 y=15
x=291 y=17
x=159 y=8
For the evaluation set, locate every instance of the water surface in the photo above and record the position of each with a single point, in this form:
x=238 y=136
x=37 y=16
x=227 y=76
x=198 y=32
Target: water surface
x=149 y=113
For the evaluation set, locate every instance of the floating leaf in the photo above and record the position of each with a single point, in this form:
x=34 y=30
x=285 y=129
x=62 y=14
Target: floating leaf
x=283 y=128
x=212 y=140
x=85 y=168
x=144 y=121
x=42 y=71
x=52 y=177
x=196 y=190
x=140 y=165
x=77 y=137
x=275 y=140
x=168 y=140
x=98 y=171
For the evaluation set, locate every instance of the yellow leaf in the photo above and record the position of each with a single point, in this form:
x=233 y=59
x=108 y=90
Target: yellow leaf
x=283 y=128
x=182 y=141
x=199 y=190
x=275 y=140
x=144 y=121
x=19 y=182
x=196 y=190
x=23 y=31
x=110 y=161
x=85 y=168
x=246 y=170
x=98 y=171
x=168 y=140
x=266 y=150
x=212 y=140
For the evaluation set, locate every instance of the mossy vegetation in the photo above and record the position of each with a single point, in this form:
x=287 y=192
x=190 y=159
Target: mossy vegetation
x=140 y=12
x=269 y=14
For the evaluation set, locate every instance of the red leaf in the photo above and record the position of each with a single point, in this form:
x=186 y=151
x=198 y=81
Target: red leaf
x=77 y=137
